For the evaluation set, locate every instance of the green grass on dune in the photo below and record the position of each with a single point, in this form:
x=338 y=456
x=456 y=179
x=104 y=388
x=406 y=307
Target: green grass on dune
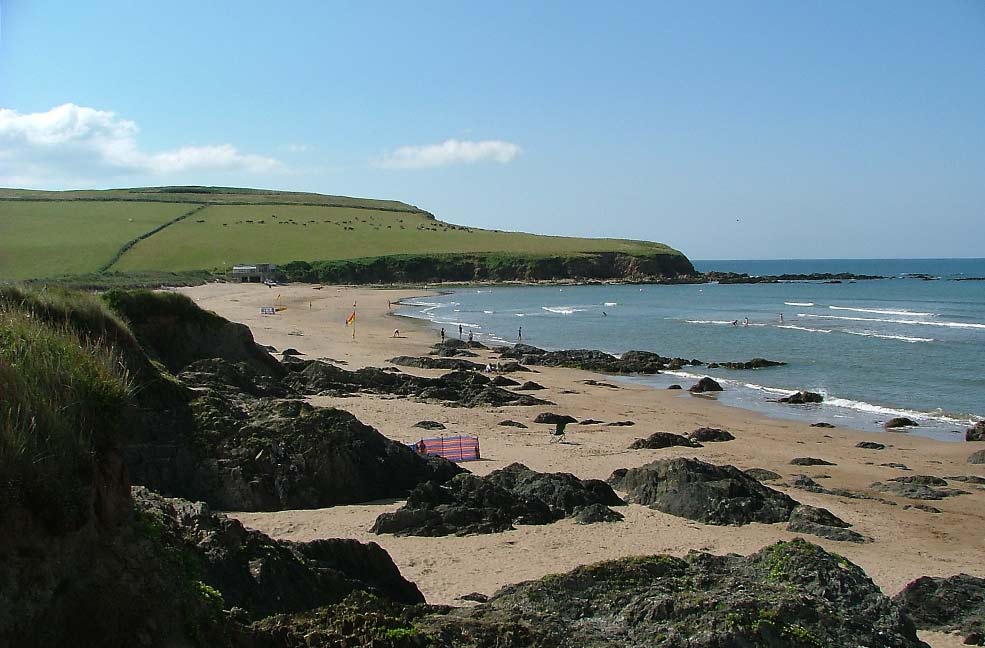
x=225 y=235
x=47 y=239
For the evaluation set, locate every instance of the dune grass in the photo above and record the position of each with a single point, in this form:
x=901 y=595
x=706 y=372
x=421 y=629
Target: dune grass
x=63 y=394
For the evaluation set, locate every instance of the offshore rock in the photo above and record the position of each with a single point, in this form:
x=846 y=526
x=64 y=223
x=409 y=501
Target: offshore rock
x=802 y=398
x=705 y=384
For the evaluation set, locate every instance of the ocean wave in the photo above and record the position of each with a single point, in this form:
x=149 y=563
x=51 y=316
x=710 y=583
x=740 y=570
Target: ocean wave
x=708 y=321
x=884 y=311
x=453 y=323
x=892 y=412
x=904 y=338
x=488 y=312
x=967 y=325
x=611 y=304
x=562 y=310
x=799 y=303
x=794 y=327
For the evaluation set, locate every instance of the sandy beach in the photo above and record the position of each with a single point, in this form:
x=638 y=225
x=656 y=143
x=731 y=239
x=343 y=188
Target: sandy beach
x=906 y=542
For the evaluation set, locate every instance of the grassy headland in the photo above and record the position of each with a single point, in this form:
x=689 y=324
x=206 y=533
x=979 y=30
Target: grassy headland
x=188 y=229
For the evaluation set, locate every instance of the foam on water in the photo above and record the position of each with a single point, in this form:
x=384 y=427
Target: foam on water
x=799 y=303
x=563 y=310
x=964 y=325
x=904 y=338
x=794 y=327
x=883 y=311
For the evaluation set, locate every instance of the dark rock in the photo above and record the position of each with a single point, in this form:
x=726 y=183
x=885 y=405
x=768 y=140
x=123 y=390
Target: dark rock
x=893 y=464
x=429 y=425
x=659 y=440
x=599 y=383
x=510 y=423
x=976 y=432
x=802 y=398
x=822 y=424
x=475 y=597
x=899 y=422
x=705 y=384
x=755 y=363
x=428 y=362
x=513 y=495
x=761 y=474
x=530 y=386
x=923 y=507
x=870 y=445
x=594 y=513
x=703 y=492
x=643 y=362
x=503 y=381
x=675 y=387
x=291 y=352
x=823 y=523
x=554 y=419
x=511 y=367
x=790 y=594
x=221 y=375
x=620 y=424
x=589 y=421
x=711 y=435
x=955 y=604
x=968 y=479
x=977 y=457
x=810 y=461
x=918 y=487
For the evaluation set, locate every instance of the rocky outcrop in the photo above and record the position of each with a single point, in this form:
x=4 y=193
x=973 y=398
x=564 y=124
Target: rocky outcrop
x=659 y=440
x=711 y=435
x=977 y=457
x=530 y=386
x=899 y=422
x=429 y=362
x=512 y=495
x=955 y=604
x=870 y=445
x=791 y=595
x=802 y=398
x=918 y=487
x=761 y=474
x=705 y=384
x=512 y=423
x=703 y=492
x=755 y=363
x=552 y=418
x=429 y=425
x=810 y=461
x=976 y=432
x=823 y=523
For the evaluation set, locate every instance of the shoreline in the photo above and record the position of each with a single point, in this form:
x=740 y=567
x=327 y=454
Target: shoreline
x=907 y=542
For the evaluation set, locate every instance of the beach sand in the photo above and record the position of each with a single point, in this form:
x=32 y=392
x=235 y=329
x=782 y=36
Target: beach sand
x=907 y=542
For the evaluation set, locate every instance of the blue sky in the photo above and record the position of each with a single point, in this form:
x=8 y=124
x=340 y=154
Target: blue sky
x=726 y=129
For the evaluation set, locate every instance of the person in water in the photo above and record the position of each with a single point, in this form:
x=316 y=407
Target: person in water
x=745 y=322
x=735 y=322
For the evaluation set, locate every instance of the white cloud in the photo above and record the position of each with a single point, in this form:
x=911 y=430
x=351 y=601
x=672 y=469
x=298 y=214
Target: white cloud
x=450 y=152
x=298 y=148
x=70 y=144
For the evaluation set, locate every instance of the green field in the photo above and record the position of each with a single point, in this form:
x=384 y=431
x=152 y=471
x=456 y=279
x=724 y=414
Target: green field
x=52 y=234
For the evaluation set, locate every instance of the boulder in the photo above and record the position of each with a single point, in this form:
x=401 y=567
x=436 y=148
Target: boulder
x=918 y=487
x=899 y=422
x=977 y=457
x=705 y=384
x=810 y=461
x=870 y=445
x=674 y=387
x=620 y=424
x=761 y=474
x=968 y=479
x=429 y=362
x=503 y=381
x=822 y=424
x=822 y=522
x=711 y=435
x=893 y=464
x=755 y=363
x=590 y=421
x=512 y=423
x=976 y=432
x=659 y=440
x=429 y=425
x=530 y=386
x=472 y=505
x=954 y=604
x=703 y=492
x=790 y=594
x=594 y=513
x=802 y=398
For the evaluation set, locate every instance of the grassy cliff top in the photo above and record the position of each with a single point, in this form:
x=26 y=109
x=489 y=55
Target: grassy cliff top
x=175 y=229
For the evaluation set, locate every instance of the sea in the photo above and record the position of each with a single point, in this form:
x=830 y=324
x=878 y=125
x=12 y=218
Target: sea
x=910 y=345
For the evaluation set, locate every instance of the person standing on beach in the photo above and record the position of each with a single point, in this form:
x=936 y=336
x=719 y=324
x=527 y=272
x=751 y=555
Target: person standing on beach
x=442 y=335
x=459 y=331
x=470 y=336
x=519 y=334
